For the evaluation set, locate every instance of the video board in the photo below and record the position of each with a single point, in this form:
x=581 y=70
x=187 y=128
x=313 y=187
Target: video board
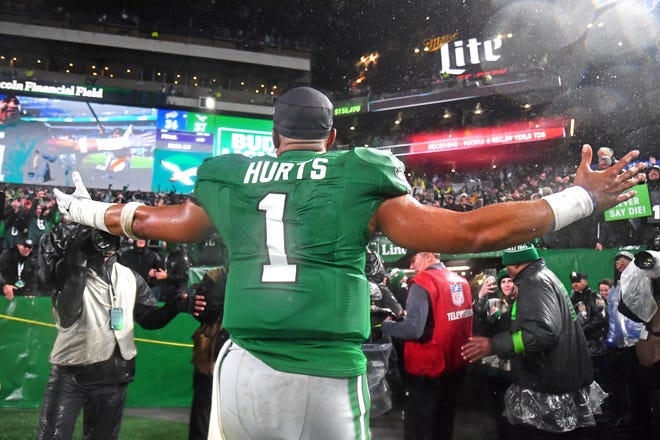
x=44 y=139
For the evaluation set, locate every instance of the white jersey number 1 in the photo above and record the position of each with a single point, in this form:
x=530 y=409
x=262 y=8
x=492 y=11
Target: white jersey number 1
x=279 y=270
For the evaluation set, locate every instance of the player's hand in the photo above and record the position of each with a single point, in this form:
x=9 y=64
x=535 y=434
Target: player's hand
x=79 y=206
x=476 y=348
x=609 y=187
x=69 y=204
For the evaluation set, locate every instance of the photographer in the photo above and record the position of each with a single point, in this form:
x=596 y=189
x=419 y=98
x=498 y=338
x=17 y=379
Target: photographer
x=95 y=304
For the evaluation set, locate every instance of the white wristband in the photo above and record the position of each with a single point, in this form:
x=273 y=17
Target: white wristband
x=570 y=205
x=126 y=218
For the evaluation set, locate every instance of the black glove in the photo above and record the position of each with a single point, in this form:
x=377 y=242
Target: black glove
x=185 y=303
x=59 y=252
x=75 y=252
x=385 y=312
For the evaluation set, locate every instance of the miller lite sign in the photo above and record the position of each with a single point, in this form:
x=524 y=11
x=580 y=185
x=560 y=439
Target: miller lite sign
x=456 y=55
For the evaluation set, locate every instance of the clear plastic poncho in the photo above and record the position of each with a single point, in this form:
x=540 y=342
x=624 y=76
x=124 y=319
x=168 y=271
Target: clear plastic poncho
x=378 y=361
x=554 y=412
x=637 y=288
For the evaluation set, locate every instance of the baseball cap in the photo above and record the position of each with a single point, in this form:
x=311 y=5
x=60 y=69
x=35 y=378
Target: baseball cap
x=303 y=113
x=519 y=254
x=577 y=276
x=27 y=242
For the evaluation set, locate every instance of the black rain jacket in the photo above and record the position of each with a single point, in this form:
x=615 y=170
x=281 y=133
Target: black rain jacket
x=550 y=354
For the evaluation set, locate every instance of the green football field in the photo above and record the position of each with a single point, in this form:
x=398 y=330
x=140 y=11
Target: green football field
x=21 y=424
x=92 y=160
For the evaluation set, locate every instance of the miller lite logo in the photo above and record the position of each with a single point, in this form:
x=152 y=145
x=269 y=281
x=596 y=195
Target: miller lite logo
x=457 y=297
x=454 y=59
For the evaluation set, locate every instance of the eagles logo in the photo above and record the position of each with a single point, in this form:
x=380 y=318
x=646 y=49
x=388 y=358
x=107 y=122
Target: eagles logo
x=401 y=175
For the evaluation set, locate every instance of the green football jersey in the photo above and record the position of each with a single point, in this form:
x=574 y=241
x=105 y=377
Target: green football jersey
x=296 y=228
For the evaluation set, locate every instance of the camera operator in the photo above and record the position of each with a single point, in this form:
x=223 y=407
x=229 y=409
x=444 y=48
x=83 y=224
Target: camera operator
x=95 y=304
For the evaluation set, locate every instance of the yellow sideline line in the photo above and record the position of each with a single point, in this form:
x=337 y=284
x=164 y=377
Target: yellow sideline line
x=27 y=321
x=45 y=324
x=174 y=344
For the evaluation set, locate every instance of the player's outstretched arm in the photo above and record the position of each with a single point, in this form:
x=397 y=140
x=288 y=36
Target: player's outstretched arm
x=181 y=223
x=415 y=226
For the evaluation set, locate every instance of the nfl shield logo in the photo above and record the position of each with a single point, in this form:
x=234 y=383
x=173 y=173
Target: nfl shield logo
x=457 y=296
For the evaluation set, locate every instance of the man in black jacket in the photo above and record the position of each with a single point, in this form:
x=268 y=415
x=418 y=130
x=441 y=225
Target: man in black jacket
x=550 y=366
x=18 y=270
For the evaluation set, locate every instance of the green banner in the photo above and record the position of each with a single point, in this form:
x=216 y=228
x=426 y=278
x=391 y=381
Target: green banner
x=389 y=252
x=246 y=136
x=392 y=253
x=637 y=206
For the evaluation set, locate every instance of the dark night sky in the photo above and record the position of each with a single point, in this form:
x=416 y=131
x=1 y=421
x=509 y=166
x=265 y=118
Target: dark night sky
x=605 y=51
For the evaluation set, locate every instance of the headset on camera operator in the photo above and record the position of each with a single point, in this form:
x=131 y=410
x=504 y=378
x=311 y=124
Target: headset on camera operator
x=95 y=304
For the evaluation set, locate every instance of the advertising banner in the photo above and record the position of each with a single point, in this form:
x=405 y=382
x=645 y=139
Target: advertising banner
x=637 y=206
x=489 y=137
x=247 y=136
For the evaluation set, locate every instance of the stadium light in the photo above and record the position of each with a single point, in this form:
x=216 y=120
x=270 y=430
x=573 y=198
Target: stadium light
x=207 y=102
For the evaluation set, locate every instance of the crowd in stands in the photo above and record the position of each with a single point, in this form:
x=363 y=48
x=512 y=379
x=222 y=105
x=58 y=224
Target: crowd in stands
x=30 y=212
x=475 y=189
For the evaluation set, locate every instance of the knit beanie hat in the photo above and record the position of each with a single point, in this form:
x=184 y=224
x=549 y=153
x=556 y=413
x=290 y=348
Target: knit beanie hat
x=503 y=273
x=519 y=254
